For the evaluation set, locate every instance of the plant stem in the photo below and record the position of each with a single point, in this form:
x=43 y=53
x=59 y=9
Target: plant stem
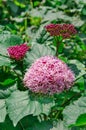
x=64 y=103
x=80 y=76
x=78 y=94
x=57 y=115
x=20 y=65
x=25 y=28
x=21 y=125
x=58 y=40
x=18 y=75
x=31 y=3
x=57 y=48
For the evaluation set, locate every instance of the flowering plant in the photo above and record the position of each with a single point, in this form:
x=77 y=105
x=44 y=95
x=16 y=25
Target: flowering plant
x=64 y=30
x=48 y=75
x=38 y=86
x=18 y=52
x=60 y=32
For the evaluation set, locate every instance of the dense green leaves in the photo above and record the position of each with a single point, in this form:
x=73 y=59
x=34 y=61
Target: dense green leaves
x=2 y=110
x=20 y=105
x=72 y=113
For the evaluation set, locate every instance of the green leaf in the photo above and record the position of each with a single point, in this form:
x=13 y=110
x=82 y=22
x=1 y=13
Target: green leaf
x=36 y=12
x=52 y=15
x=7 y=125
x=80 y=83
x=6 y=40
x=21 y=4
x=28 y=121
x=2 y=110
x=4 y=61
x=81 y=120
x=44 y=125
x=60 y=126
x=1 y=28
x=7 y=82
x=63 y=58
x=20 y=105
x=13 y=7
x=5 y=92
x=78 y=128
x=76 y=21
x=77 y=67
x=37 y=52
x=84 y=10
x=74 y=110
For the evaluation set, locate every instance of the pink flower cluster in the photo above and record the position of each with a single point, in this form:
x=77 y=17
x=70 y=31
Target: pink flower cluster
x=64 y=30
x=18 y=52
x=48 y=75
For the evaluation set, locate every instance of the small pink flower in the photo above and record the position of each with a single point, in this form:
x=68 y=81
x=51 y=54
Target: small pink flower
x=48 y=75
x=18 y=52
x=64 y=30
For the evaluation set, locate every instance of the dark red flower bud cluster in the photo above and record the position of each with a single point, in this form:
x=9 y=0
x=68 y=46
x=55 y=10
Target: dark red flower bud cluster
x=64 y=30
x=18 y=52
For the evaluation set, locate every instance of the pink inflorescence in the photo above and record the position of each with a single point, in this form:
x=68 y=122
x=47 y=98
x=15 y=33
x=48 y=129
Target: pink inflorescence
x=64 y=30
x=18 y=52
x=48 y=75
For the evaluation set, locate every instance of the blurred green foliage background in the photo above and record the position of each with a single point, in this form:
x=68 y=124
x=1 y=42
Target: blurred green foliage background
x=21 y=16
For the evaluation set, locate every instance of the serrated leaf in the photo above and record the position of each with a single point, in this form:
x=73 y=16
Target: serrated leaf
x=77 y=21
x=20 y=105
x=77 y=67
x=51 y=15
x=38 y=51
x=60 y=126
x=5 y=92
x=4 y=61
x=6 y=40
x=74 y=110
x=2 y=110
x=36 y=13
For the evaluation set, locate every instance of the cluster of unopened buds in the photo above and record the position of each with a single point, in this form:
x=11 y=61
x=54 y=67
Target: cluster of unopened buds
x=18 y=52
x=64 y=30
